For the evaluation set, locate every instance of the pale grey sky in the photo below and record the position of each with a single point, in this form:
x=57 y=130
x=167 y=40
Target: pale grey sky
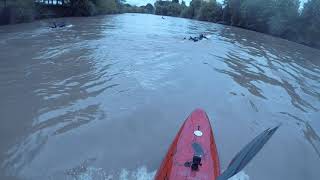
x=144 y=2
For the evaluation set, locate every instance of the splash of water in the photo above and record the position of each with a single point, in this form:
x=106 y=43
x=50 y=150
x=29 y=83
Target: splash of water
x=240 y=176
x=92 y=173
x=139 y=174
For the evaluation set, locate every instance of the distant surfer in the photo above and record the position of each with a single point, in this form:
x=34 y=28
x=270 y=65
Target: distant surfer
x=198 y=38
x=56 y=25
x=202 y=36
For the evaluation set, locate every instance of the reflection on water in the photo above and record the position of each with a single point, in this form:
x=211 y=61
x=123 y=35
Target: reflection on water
x=103 y=98
x=313 y=138
x=308 y=131
x=255 y=64
x=58 y=87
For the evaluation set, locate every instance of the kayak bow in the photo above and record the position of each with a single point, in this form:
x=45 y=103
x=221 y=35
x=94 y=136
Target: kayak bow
x=193 y=153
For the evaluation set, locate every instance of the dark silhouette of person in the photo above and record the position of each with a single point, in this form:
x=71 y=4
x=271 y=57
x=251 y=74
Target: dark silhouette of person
x=56 y=25
x=202 y=36
x=197 y=38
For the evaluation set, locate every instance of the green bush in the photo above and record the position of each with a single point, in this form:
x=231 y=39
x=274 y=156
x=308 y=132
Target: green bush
x=106 y=6
x=187 y=13
x=255 y=15
x=161 y=7
x=283 y=23
x=210 y=11
x=169 y=8
x=195 y=6
x=83 y=8
x=310 y=24
x=94 y=7
x=127 y=8
x=149 y=8
x=18 y=11
x=174 y=9
x=231 y=12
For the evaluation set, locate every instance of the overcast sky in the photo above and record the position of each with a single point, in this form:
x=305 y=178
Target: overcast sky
x=144 y=2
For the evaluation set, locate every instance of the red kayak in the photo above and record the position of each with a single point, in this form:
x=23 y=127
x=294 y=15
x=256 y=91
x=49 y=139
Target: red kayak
x=193 y=153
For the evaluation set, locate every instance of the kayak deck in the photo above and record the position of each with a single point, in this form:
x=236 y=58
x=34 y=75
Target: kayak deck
x=193 y=143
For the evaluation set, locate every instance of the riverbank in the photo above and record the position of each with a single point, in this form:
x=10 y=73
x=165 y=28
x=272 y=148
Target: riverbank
x=287 y=19
x=20 y=11
x=12 y=12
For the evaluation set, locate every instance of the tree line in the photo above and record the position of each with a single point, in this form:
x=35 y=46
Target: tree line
x=18 y=11
x=96 y=7
x=282 y=18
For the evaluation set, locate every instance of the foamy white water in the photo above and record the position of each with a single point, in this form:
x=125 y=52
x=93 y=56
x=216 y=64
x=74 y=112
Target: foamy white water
x=140 y=173
x=240 y=176
x=92 y=173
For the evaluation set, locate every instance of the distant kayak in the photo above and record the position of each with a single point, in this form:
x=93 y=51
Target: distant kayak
x=193 y=153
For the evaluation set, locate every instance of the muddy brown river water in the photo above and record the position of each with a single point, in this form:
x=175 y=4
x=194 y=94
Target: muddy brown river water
x=104 y=97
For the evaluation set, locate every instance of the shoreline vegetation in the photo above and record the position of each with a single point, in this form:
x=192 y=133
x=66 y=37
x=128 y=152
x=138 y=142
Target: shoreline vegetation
x=19 y=11
x=281 y=18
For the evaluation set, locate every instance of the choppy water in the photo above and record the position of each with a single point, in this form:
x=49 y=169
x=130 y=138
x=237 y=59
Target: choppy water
x=104 y=97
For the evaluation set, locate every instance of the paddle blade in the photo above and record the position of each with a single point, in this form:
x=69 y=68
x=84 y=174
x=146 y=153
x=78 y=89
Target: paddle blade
x=247 y=154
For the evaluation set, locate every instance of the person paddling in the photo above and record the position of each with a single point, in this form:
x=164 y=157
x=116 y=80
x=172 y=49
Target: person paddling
x=202 y=36
x=198 y=38
x=56 y=25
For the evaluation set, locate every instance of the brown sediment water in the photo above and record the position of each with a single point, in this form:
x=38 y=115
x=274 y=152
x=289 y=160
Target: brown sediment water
x=104 y=97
